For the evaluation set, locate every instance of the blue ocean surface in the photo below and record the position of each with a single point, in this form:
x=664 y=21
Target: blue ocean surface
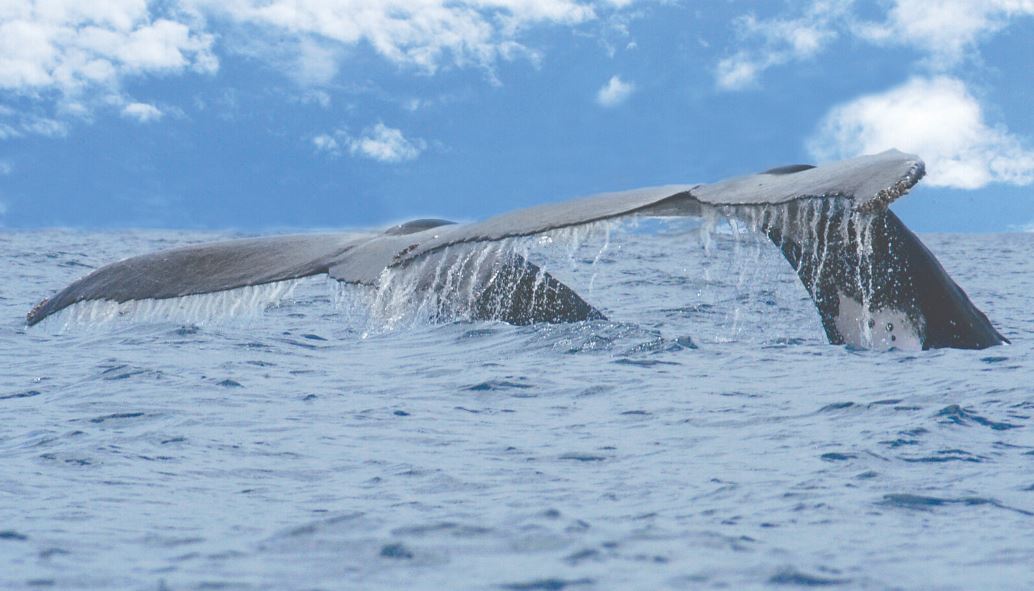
x=704 y=436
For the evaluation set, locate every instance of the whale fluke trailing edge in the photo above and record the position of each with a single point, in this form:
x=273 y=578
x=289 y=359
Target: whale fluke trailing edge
x=874 y=283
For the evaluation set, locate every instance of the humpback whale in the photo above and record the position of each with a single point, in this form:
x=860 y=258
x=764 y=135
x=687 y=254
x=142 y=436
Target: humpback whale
x=873 y=282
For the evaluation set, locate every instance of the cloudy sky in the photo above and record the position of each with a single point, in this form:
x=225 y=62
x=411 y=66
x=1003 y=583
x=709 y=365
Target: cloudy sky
x=275 y=114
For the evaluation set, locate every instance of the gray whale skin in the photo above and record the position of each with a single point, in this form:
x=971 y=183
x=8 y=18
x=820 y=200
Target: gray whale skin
x=873 y=282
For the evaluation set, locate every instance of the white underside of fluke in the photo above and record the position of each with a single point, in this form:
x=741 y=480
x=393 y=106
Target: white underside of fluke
x=879 y=329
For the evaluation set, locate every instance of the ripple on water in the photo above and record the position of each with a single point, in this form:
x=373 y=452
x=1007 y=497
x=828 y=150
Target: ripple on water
x=925 y=503
x=396 y=552
x=956 y=415
x=501 y=385
x=116 y=416
x=838 y=457
x=582 y=457
x=548 y=584
x=796 y=578
x=125 y=371
x=11 y=535
x=25 y=394
x=946 y=455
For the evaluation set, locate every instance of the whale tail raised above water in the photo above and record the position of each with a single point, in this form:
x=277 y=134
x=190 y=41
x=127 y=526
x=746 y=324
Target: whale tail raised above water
x=874 y=283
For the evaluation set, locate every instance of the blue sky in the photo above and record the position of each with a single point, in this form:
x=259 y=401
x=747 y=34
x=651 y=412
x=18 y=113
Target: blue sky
x=286 y=114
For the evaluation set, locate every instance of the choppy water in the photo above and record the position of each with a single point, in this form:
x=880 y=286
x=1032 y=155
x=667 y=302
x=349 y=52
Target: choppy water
x=704 y=437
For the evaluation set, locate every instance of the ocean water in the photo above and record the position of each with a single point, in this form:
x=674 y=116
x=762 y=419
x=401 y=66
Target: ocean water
x=703 y=437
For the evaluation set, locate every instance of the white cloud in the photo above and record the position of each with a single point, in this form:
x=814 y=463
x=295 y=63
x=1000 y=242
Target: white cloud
x=936 y=118
x=317 y=63
x=779 y=41
x=21 y=124
x=71 y=56
x=326 y=143
x=318 y=97
x=946 y=31
x=379 y=142
x=421 y=33
x=933 y=115
x=142 y=112
x=739 y=72
x=5 y=168
x=71 y=45
x=385 y=144
x=614 y=92
x=66 y=57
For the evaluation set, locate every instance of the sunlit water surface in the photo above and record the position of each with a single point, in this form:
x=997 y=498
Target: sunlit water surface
x=704 y=437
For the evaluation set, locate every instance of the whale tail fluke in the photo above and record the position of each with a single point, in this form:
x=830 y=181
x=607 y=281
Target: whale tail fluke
x=521 y=293
x=874 y=283
x=496 y=285
x=200 y=269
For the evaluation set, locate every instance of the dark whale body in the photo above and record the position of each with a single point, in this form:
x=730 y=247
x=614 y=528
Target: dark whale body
x=873 y=281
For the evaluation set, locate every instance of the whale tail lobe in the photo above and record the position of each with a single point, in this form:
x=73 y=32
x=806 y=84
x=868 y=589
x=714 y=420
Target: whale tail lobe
x=875 y=284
